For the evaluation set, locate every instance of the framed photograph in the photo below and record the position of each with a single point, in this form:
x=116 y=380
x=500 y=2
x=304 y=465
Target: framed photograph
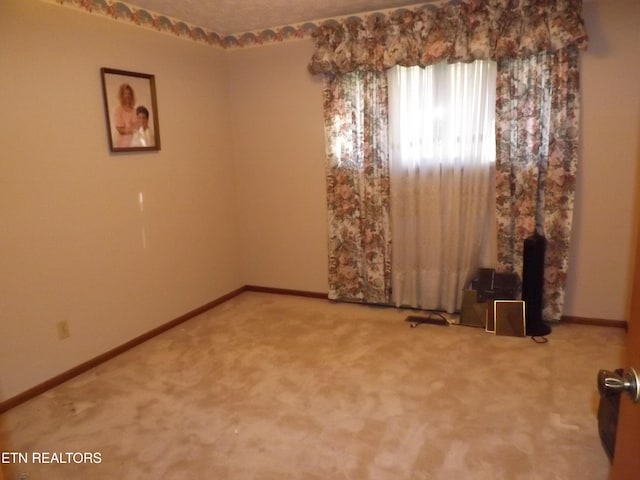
x=131 y=109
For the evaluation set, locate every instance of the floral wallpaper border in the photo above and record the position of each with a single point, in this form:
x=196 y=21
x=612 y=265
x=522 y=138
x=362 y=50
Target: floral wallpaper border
x=121 y=11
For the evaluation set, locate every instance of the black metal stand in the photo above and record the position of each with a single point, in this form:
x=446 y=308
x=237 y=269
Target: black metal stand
x=433 y=318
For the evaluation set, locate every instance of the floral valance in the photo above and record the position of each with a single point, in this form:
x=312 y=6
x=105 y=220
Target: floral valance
x=456 y=31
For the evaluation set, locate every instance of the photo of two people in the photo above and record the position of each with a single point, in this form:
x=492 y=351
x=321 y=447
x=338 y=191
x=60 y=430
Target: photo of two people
x=131 y=109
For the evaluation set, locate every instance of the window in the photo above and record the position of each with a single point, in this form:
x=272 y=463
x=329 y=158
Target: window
x=442 y=114
x=442 y=153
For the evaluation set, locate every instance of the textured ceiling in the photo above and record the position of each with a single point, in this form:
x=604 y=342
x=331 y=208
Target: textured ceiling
x=239 y=16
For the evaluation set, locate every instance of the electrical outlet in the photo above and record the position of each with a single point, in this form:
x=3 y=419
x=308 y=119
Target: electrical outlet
x=63 y=329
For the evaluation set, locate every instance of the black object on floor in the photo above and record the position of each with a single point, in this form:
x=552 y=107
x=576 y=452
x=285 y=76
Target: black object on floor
x=608 y=413
x=533 y=284
x=432 y=319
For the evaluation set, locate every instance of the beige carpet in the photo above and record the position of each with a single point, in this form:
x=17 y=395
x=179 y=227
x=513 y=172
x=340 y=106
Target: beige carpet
x=276 y=387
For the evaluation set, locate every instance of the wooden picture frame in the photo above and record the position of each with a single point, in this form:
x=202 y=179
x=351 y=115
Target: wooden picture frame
x=509 y=318
x=129 y=97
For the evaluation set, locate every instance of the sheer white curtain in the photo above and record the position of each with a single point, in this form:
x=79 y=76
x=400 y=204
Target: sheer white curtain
x=442 y=160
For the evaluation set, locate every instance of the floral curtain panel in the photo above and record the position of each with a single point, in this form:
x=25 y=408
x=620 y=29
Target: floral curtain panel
x=355 y=116
x=537 y=124
x=455 y=32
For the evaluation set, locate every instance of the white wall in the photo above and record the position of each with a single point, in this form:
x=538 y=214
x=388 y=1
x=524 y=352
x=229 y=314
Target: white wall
x=600 y=266
x=278 y=138
x=71 y=227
